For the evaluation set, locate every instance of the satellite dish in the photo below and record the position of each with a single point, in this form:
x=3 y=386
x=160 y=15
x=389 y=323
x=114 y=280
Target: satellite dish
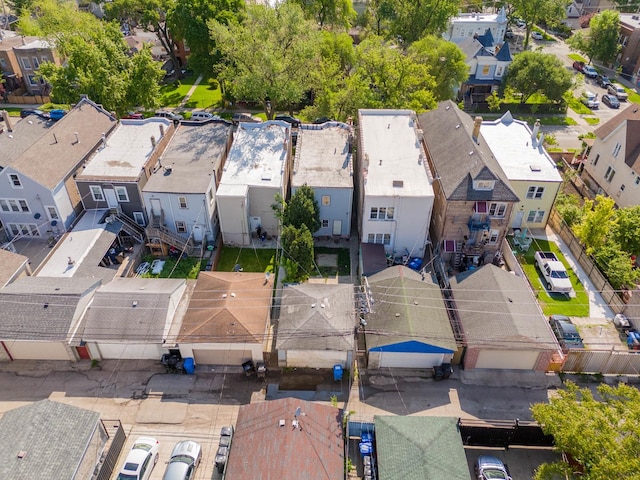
x=298 y=412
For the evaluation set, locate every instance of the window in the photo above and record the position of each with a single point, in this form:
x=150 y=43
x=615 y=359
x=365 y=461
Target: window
x=26 y=63
x=26 y=229
x=493 y=236
x=121 y=193
x=3 y=63
x=595 y=160
x=535 y=216
x=499 y=71
x=326 y=200
x=181 y=227
x=32 y=80
x=15 y=180
x=182 y=202
x=96 y=193
x=616 y=149
x=381 y=213
x=4 y=205
x=497 y=209
x=535 y=192
x=483 y=184
x=44 y=59
x=139 y=218
x=24 y=206
x=383 y=238
x=608 y=176
x=36 y=64
x=14 y=205
x=325 y=223
x=485 y=70
x=52 y=213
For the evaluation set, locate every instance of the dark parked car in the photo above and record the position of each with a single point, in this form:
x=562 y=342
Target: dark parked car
x=169 y=115
x=490 y=468
x=24 y=113
x=320 y=120
x=579 y=66
x=244 y=117
x=603 y=81
x=134 y=116
x=508 y=33
x=295 y=123
x=611 y=100
x=566 y=332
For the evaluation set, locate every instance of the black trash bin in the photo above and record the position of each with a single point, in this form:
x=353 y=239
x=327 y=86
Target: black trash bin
x=438 y=373
x=446 y=370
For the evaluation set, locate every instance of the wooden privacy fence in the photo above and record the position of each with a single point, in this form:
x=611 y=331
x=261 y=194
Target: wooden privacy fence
x=28 y=99
x=603 y=361
x=599 y=281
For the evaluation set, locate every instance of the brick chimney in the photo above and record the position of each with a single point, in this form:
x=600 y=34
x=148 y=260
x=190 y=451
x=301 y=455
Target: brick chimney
x=7 y=120
x=534 y=134
x=477 y=123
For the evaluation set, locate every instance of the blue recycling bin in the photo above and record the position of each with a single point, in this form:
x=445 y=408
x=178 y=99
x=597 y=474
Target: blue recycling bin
x=365 y=448
x=337 y=373
x=189 y=365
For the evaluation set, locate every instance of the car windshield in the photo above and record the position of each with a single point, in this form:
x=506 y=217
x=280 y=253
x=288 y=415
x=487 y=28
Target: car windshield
x=559 y=274
x=182 y=459
x=142 y=446
x=494 y=474
x=124 y=476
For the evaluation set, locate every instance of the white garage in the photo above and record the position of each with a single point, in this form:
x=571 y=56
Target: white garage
x=409 y=360
x=126 y=351
x=220 y=357
x=24 y=350
x=508 y=359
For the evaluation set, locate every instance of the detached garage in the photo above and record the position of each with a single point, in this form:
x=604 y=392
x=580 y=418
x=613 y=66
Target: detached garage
x=227 y=320
x=408 y=326
x=502 y=323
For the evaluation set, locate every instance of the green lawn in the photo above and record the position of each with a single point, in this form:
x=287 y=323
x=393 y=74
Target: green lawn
x=171 y=95
x=205 y=96
x=186 y=268
x=577 y=106
x=344 y=261
x=576 y=57
x=553 y=303
x=250 y=259
x=592 y=120
x=564 y=120
x=633 y=95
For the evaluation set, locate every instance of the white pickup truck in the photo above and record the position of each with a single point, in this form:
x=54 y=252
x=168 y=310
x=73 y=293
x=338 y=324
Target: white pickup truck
x=554 y=273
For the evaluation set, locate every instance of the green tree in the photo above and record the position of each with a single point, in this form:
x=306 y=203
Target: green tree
x=626 y=6
x=378 y=15
x=302 y=209
x=616 y=265
x=569 y=208
x=626 y=229
x=297 y=248
x=96 y=60
x=605 y=30
x=411 y=20
x=446 y=63
x=598 y=219
x=535 y=11
x=494 y=101
x=535 y=72
x=581 y=42
x=269 y=56
x=329 y=13
x=601 y=435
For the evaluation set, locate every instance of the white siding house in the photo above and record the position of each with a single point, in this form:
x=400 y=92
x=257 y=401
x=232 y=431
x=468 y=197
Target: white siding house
x=324 y=162
x=469 y=24
x=257 y=169
x=395 y=191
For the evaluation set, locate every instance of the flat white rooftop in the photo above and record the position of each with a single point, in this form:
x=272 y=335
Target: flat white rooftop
x=127 y=149
x=322 y=156
x=520 y=158
x=257 y=156
x=397 y=165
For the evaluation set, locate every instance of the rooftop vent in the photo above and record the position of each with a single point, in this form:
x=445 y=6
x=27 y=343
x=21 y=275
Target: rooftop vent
x=398 y=183
x=535 y=168
x=22 y=453
x=135 y=303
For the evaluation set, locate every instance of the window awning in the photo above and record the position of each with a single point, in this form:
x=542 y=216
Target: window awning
x=480 y=207
x=449 y=246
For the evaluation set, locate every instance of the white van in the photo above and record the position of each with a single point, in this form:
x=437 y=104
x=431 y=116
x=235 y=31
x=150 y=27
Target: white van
x=201 y=116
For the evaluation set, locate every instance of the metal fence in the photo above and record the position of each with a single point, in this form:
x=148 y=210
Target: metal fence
x=117 y=438
x=503 y=433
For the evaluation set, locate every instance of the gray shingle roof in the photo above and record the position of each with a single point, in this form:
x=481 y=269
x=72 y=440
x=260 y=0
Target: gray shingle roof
x=497 y=309
x=458 y=159
x=54 y=436
x=407 y=308
x=113 y=316
x=10 y=264
x=417 y=448
x=326 y=326
x=41 y=308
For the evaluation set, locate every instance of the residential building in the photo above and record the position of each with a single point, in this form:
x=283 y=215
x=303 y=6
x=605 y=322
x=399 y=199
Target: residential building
x=9 y=66
x=408 y=325
x=287 y=439
x=114 y=176
x=257 y=170
x=395 y=195
x=48 y=439
x=23 y=135
x=30 y=55
x=413 y=447
x=629 y=39
x=130 y=318
x=488 y=62
x=41 y=316
x=316 y=326
x=180 y=195
x=531 y=172
x=506 y=329
x=323 y=161
x=227 y=319
x=13 y=266
x=38 y=193
x=613 y=166
x=473 y=197
x=466 y=25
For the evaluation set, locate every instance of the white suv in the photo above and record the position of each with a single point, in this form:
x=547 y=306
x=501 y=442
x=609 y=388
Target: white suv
x=590 y=100
x=617 y=90
x=141 y=460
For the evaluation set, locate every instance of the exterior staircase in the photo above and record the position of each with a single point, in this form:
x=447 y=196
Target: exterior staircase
x=129 y=226
x=158 y=233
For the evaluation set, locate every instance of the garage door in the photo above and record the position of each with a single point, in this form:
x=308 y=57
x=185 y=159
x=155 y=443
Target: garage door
x=507 y=359
x=410 y=360
x=220 y=357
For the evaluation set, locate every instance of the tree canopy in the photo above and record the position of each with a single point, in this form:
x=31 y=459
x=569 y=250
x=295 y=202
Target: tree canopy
x=97 y=61
x=297 y=247
x=268 y=57
x=410 y=20
x=302 y=209
x=595 y=224
x=535 y=72
x=602 y=435
x=329 y=13
x=626 y=229
x=601 y=43
x=550 y=12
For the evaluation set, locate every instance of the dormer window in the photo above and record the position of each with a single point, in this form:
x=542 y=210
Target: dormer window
x=483 y=184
